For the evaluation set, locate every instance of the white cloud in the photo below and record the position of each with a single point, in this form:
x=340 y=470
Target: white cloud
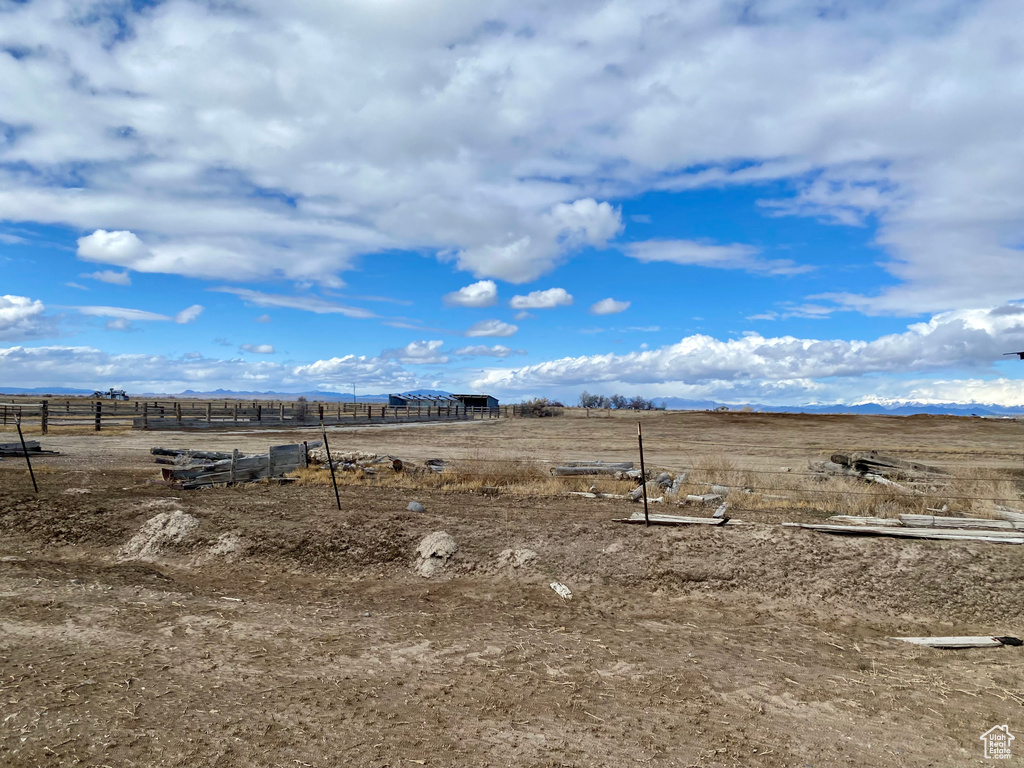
x=258 y=349
x=119 y=324
x=549 y=299
x=119 y=247
x=489 y=132
x=189 y=314
x=129 y=315
x=110 y=276
x=418 y=353
x=87 y=367
x=22 y=318
x=481 y=294
x=609 y=307
x=262 y=319
x=957 y=339
x=491 y=328
x=482 y=350
x=522 y=315
x=304 y=303
x=124 y=313
x=692 y=252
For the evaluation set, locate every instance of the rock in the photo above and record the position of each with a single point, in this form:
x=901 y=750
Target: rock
x=159 y=532
x=563 y=591
x=415 y=506
x=516 y=558
x=434 y=551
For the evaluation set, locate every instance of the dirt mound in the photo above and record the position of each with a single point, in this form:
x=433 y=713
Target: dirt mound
x=516 y=558
x=228 y=548
x=158 y=533
x=434 y=551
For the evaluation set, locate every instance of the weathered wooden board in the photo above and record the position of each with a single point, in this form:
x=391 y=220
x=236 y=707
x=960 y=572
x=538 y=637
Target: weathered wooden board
x=573 y=471
x=954 y=642
x=950 y=534
x=1009 y=514
x=938 y=521
x=863 y=520
x=638 y=517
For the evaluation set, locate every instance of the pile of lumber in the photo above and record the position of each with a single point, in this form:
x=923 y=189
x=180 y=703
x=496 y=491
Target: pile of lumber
x=902 y=474
x=199 y=469
x=924 y=527
x=32 y=446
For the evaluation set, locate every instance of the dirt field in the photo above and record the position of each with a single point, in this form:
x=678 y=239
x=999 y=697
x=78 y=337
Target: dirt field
x=282 y=632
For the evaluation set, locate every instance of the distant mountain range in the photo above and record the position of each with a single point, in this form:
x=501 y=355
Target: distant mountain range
x=889 y=408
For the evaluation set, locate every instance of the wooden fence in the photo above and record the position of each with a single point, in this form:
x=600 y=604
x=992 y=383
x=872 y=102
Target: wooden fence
x=96 y=415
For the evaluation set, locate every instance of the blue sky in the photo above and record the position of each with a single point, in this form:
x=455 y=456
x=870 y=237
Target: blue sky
x=778 y=201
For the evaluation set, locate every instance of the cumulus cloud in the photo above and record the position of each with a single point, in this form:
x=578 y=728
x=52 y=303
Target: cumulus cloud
x=692 y=252
x=494 y=133
x=482 y=350
x=110 y=276
x=480 y=294
x=549 y=299
x=84 y=366
x=956 y=339
x=491 y=328
x=417 y=353
x=22 y=318
x=258 y=349
x=609 y=307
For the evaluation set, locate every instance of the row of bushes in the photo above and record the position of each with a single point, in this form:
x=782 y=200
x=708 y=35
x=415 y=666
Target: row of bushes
x=618 y=402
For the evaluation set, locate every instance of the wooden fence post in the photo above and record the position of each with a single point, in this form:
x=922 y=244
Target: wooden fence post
x=177 y=412
x=44 y=416
x=145 y=415
x=99 y=414
x=259 y=415
x=236 y=416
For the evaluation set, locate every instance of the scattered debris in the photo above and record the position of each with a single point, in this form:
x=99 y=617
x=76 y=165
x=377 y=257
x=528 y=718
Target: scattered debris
x=75 y=491
x=720 y=512
x=705 y=498
x=32 y=446
x=563 y=591
x=516 y=558
x=638 y=517
x=435 y=550
x=871 y=462
x=961 y=642
x=197 y=469
x=415 y=506
x=164 y=530
x=592 y=469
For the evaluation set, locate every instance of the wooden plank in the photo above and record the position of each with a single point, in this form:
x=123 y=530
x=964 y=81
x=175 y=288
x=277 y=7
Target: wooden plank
x=863 y=520
x=573 y=471
x=951 y=534
x=938 y=521
x=1009 y=514
x=656 y=519
x=953 y=642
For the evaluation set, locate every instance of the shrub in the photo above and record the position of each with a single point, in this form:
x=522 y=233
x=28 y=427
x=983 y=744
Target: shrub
x=540 y=407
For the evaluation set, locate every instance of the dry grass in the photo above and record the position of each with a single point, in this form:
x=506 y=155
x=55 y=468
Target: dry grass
x=771 y=491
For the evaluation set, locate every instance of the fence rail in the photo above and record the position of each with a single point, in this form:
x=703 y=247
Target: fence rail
x=55 y=413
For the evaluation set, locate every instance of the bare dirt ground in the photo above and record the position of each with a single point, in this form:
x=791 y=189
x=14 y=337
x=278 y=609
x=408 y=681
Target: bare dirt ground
x=285 y=633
